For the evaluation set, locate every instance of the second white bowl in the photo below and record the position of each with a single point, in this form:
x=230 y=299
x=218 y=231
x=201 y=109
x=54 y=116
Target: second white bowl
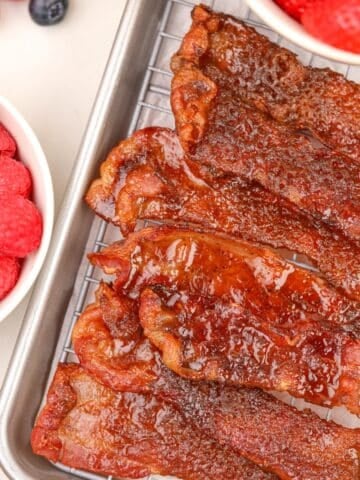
x=289 y=28
x=31 y=154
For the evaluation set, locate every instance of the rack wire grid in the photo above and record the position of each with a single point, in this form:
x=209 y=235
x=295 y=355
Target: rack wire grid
x=153 y=107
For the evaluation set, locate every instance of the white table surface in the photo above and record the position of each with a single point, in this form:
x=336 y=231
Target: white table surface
x=52 y=74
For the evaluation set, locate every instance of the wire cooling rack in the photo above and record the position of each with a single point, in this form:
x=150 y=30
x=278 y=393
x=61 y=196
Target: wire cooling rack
x=153 y=108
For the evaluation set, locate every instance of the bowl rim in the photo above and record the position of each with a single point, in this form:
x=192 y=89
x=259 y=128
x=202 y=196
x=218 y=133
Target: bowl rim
x=17 y=294
x=292 y=30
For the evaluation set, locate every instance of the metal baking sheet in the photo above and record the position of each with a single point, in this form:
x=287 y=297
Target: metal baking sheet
x=134 y=93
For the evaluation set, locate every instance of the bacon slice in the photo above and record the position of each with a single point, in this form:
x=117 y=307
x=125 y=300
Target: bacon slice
x=279 y=438
x=273 y=80
x=208 y=338
x=149 y=177
x=89 y=426
x=218 y=129
x=255 y=319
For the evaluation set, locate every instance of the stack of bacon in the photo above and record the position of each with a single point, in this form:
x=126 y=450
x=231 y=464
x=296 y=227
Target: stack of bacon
x=201 y=320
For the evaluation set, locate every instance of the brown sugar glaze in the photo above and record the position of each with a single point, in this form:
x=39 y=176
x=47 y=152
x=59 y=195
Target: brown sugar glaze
x=273 y=80
x=218 y=129
x=207 y=338
x=278 y=437
x=149 y=177
x=89 y=426
x=240 y=314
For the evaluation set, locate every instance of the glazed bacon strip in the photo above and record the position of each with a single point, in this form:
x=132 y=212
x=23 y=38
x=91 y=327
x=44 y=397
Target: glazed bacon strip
x=239 y=314
x=216 y=128
x=214 y=339
x=271 y=78
x=279 y=438
x=149 y=177
x=89 y=426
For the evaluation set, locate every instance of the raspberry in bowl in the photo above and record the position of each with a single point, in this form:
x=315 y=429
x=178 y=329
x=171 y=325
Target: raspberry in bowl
x=329 y=28
x=26 y=207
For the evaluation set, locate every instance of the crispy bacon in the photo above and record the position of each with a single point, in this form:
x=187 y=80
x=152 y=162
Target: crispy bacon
x=240 y=314
x=272 y=79
x=149 y=177
x=89 y=426
x=218 y=129
x=277 y=437
x=109 y=342
x=207 y=338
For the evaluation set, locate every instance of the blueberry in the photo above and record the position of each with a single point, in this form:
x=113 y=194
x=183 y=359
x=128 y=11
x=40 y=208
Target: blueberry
x=48 y=12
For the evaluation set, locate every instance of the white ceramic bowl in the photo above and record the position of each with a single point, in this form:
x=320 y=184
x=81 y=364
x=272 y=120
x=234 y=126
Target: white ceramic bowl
x=31 y=154
x=289 y=28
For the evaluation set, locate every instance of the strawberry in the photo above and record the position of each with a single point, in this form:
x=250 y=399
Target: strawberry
x=14 y=177
x=336 y=22
x=7 y=143
x=20 y=226
x=294 y=8
x=9 y=274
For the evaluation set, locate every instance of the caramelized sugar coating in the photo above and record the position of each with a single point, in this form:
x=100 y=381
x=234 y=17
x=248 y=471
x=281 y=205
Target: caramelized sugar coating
x=149 y=177
x=218 y=129
x=216 y=339
x=209 y=264
x=273 y=80
x=238 y=313
x=278 y=437
x=89 y=426
x=109 y=342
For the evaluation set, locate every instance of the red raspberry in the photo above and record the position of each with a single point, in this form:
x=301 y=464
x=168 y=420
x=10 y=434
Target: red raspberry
x=294 y=8
x=336 y=22
x=20 y=226
x=14 y=177
x=9 y=274
x=7 y=143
